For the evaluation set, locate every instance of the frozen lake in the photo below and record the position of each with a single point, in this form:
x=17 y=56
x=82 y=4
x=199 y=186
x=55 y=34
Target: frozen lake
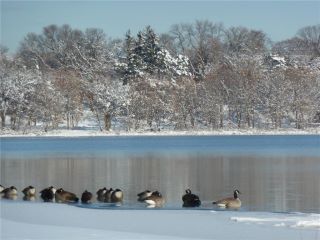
x=274 y=173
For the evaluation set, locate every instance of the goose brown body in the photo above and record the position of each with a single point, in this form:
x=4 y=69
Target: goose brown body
x=101 y=194
x=231 y=202
x=156 y=199
x=29 y=191
x=10 y=193
x=65 y=196
x=116 y=196
x=107 y=195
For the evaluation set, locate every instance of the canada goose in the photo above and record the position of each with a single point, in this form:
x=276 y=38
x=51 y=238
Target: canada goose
x=1 y=188
x=190 y=200
x=65 y=196
x=232 y=202
x=86 y=197
x=156 y=199
x=10 y=193
x=143 y=195
x=116 y=196
x=101 y=194
x=29 y=191
x=107 y=195
x=47 y=194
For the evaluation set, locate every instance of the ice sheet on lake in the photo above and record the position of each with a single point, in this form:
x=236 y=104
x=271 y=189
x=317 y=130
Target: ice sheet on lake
x=25 y=220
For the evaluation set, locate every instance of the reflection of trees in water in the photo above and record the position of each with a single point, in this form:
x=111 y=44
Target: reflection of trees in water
x=276 y=184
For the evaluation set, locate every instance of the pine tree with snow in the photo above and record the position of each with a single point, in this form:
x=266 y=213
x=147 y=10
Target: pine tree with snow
x=151 y=54
x=145 y=56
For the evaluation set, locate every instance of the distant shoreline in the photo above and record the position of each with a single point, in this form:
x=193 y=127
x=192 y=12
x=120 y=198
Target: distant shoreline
x=97 y=133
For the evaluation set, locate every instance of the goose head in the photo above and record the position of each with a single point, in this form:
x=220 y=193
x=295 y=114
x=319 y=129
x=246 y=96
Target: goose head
x=236 y=193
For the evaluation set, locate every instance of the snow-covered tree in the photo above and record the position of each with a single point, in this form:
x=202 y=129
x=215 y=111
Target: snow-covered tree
x=304 y=95
x=107 y=98
x=274 y=92
x=24 y=95
x=199 y=75
x=145 y=56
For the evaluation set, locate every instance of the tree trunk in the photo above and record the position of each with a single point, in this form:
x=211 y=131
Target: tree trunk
x=239 y=119
x=72 y=121
x=297 y=120
x=252 y=119
x=96 y=114
x=107 y=121
x=3 y=119
x=13 y=120
x=221 y=115
x=68 y=121
x=29 y=121
x=248 y=120
x=192 y=120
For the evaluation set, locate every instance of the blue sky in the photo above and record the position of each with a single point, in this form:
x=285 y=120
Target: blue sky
x=279 y=19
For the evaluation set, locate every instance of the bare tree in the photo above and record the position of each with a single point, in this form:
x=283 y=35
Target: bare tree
x=310 y=39
x=199 y=41
x=242 y=40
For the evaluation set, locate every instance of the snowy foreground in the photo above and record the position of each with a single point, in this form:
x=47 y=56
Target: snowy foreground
x=88 y=133
x=26 y=220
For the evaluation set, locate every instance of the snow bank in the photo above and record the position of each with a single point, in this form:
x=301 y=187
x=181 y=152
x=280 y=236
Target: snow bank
x=88 y=133
x=311 y=221
x=26 y=220
x=308 y=224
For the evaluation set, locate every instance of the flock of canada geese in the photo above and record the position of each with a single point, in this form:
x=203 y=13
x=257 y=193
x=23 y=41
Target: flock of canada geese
x=152 y=198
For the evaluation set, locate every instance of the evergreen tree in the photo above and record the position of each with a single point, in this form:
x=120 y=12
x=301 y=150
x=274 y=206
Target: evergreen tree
x=144 y=55
x=152 y=53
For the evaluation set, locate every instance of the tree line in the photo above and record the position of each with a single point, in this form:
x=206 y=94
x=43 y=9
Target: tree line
x=199 y=75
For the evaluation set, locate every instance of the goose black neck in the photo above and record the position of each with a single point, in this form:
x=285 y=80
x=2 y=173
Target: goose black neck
x=235 y=194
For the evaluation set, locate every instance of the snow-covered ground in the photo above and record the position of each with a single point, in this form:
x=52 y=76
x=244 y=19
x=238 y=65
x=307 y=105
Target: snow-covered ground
x=87 y=133
x=88 y=126
x=27 y=220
